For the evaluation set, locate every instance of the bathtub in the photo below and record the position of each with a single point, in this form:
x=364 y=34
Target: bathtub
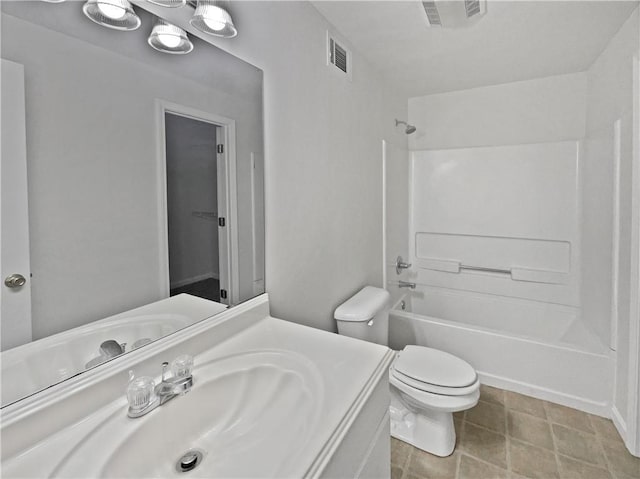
x=34 y=366
x=534 y=348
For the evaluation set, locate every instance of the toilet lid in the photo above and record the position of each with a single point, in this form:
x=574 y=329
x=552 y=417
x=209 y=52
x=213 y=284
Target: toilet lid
x=436 y=367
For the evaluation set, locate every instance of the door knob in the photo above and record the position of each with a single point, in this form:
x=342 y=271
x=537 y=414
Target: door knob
x=15 y=281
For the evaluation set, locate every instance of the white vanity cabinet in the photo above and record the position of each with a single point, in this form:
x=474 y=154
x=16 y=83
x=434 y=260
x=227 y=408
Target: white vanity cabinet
x=365 y=450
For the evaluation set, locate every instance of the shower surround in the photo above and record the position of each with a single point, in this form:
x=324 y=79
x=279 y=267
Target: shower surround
x=494 y=239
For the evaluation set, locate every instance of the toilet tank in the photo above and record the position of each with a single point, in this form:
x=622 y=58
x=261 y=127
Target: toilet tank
x=365 y=315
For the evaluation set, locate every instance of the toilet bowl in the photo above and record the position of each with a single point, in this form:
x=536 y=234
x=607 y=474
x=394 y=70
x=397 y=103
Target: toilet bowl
x=427 y=385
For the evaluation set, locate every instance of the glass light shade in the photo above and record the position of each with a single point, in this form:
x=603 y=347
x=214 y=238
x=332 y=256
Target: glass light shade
x=116 y=14
x=53 y=1
x=212 y=18
x=169 y=3
x=168 y=38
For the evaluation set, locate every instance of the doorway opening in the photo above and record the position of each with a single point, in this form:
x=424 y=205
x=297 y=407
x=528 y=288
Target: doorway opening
x=196 y=178
x=192 y=206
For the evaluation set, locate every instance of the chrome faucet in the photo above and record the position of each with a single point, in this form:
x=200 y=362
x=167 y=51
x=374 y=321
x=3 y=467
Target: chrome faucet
x=144 y=395
x=175 y=386
x=406 y=284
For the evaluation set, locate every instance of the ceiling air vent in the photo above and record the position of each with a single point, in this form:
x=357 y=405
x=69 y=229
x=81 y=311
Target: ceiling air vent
x=472 y=7
x=453 y=13
x=338 y=56
x=432 y=13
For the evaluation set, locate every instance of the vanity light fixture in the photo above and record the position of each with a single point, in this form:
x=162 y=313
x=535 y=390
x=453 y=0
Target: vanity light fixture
x=116 y=14
x=168 y=38
x=53 y=1
x=213 y=18
x=169 y=3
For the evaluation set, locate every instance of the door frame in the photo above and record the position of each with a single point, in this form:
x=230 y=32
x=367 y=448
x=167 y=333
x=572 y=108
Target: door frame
x=632 y=438
x=228 y=127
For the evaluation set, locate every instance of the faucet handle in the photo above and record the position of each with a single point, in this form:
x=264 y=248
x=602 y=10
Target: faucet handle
x=182 y=366
x=400 y=265
x=140 y=392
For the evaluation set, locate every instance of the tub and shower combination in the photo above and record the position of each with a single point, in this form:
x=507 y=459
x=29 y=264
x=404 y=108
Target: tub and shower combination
x=494 y=239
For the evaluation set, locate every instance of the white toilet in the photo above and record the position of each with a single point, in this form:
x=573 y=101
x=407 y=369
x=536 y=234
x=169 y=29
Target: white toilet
x=427 y=385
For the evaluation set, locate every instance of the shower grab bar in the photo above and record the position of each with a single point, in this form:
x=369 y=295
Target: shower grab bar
x=517 y=273
x=487 y=270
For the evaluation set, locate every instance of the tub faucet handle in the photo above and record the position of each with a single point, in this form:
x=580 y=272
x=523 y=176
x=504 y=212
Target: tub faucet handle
x=400 y=265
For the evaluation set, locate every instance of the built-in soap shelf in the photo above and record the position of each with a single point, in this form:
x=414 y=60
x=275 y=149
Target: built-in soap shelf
x=514 y=272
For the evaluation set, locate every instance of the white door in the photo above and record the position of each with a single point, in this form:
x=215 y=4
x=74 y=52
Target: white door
x=223 y=218
x=15 y=299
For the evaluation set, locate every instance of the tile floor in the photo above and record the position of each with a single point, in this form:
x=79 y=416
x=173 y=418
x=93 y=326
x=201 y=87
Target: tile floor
x=508 y=435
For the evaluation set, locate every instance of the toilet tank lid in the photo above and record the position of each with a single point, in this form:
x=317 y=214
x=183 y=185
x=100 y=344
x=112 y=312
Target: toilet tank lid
x=364 y=305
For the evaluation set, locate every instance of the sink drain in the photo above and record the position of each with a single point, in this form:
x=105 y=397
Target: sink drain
x=189 y=461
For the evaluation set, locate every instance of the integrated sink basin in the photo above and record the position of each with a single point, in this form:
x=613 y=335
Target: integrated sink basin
x=249 y=415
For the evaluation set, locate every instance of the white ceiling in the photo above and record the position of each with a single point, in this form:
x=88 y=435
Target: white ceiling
x=515 y=40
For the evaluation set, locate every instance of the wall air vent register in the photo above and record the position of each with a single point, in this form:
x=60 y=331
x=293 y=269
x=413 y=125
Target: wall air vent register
x=338 y=56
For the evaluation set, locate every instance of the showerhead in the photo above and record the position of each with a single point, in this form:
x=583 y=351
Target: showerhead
x=409 y=128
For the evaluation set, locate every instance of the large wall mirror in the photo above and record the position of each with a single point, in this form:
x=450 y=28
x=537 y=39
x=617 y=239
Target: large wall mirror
x=144 y=181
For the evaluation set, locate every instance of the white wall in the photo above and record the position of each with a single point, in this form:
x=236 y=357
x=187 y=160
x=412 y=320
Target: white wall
x=323 y=160
x=396 y=216
x=533 y=111
x=191 y=187
x=92 y=165
x=609 y=98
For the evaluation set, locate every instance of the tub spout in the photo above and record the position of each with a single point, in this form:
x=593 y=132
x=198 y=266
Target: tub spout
x=406 y=284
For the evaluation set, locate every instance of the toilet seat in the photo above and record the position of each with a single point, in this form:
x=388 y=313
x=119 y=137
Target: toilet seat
x=435 y=367
x=438 y=402
x=434 y=371
x=432 y=388
x=435 y=379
